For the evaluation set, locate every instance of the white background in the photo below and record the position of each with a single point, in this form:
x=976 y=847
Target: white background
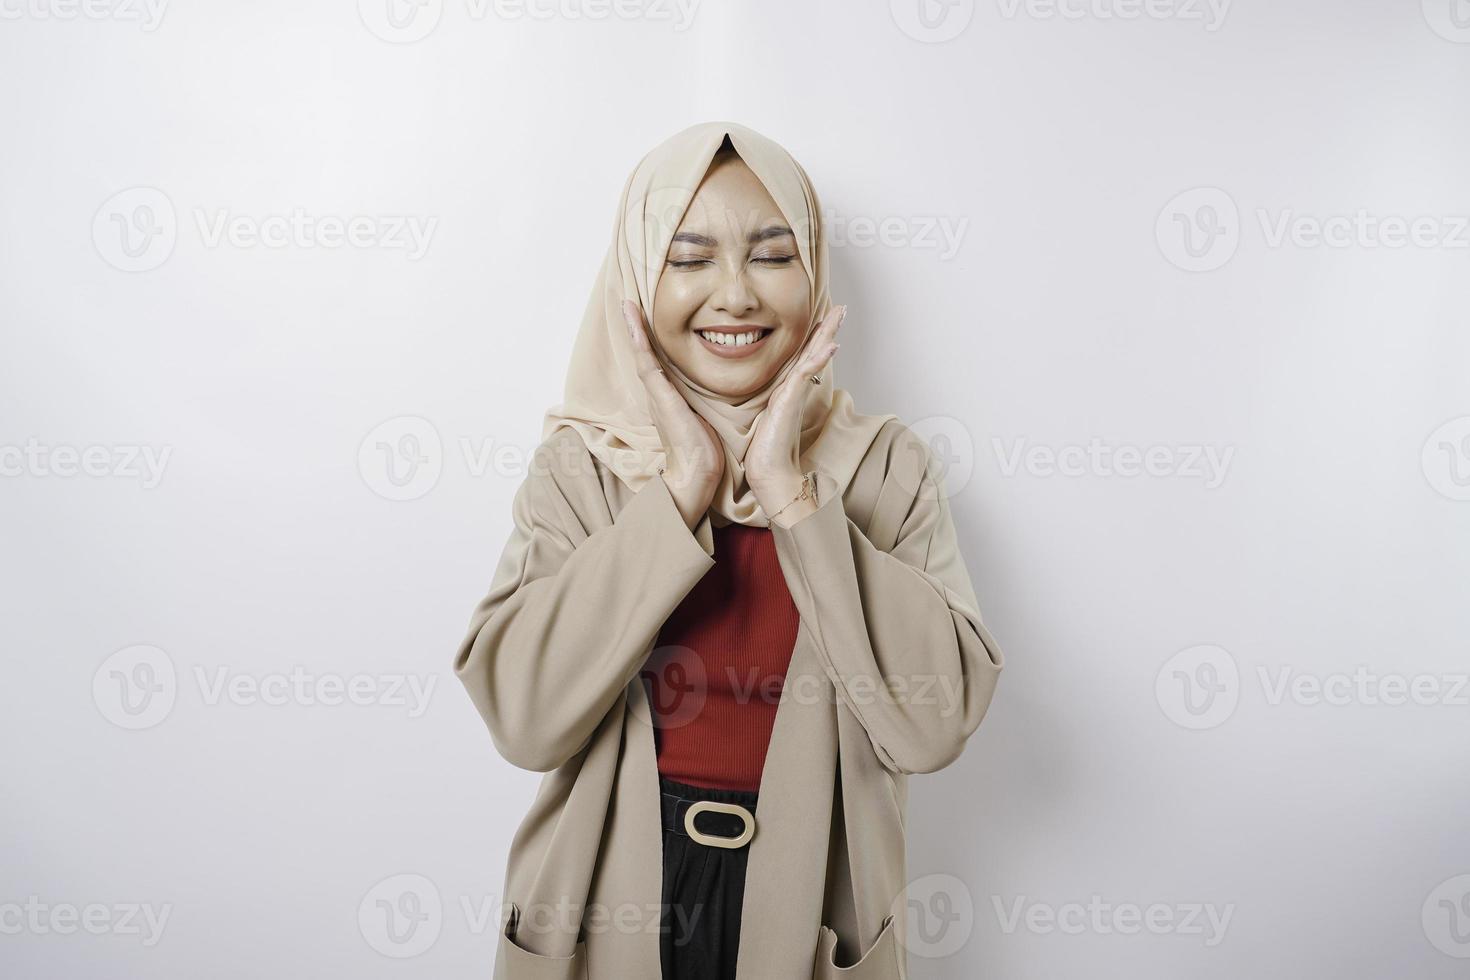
x=1071 y=317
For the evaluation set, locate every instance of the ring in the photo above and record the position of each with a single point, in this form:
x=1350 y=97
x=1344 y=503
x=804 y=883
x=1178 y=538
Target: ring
x=815 y=379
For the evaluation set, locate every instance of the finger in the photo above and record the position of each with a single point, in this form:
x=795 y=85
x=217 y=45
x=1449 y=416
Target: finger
x=647 y=363
x=826 y=331
x=663 y=396
x=642 y=352
x=819 y=348
x=793 y=390
x=791 y=395
x=813 y=361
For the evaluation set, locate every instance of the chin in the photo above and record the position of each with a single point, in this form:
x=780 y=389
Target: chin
x=732 y=387
x=734 y=384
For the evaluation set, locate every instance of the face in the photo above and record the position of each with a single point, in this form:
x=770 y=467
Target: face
x=733 y=303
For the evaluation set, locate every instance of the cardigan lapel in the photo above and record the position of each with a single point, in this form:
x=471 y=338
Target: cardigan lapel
x=628 y=886
x=787 y=871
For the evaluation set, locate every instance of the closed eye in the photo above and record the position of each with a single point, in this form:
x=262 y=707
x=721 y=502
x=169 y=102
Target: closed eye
x=770 y=260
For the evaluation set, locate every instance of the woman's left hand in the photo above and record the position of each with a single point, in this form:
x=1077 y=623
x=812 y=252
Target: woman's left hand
x=772 y=465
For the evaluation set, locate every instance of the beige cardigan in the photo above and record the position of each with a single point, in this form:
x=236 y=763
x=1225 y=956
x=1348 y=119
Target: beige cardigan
x=551 y=661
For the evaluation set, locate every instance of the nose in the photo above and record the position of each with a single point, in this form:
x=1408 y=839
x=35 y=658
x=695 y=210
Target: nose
x=733 y=296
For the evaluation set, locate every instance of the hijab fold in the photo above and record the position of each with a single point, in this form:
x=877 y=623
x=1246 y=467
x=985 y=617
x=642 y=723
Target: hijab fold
x=605 y=401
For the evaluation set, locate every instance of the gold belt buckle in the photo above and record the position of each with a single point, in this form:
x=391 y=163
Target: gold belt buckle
x=714 y=840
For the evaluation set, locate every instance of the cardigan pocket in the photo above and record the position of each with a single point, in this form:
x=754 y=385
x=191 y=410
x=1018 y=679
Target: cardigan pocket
x=513 y=962
x=880 y=962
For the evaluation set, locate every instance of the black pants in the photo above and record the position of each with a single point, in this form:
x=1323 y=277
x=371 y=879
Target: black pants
x=702 y=891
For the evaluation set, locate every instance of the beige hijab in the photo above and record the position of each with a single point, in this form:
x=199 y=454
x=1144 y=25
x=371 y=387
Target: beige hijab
x=605 y=400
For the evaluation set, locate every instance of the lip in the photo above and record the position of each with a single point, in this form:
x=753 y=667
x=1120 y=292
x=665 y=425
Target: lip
x=747 y=350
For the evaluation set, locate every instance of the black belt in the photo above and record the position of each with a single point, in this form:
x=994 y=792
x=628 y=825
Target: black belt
x=719 y=824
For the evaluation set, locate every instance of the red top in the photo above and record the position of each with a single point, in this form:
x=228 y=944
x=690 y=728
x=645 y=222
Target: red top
x=716 y=674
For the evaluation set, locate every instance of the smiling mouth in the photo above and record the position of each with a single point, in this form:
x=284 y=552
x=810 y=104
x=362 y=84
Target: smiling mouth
x=734 y=341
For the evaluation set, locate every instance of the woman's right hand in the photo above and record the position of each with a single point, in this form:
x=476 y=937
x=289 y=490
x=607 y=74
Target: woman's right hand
x=695 y=455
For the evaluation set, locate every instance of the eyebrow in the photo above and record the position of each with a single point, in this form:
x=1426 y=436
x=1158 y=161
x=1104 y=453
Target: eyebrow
x=775 y=231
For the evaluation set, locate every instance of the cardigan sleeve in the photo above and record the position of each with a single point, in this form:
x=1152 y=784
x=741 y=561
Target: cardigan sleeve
x=899 y=631
x=570 y=617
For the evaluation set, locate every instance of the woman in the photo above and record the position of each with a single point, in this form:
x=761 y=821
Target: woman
x=732 y=617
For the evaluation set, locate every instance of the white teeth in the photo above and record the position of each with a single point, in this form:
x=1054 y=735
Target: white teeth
x=731 y=340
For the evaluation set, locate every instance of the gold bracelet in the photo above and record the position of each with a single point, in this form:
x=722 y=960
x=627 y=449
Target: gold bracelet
x=808 y=492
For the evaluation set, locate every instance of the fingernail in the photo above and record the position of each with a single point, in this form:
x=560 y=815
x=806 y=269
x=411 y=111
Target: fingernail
x=842 y=315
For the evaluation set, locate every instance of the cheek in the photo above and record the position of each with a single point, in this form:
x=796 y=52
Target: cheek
x=788 y=291
x=674 y=303
x=791 y=299
x=791 y=346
